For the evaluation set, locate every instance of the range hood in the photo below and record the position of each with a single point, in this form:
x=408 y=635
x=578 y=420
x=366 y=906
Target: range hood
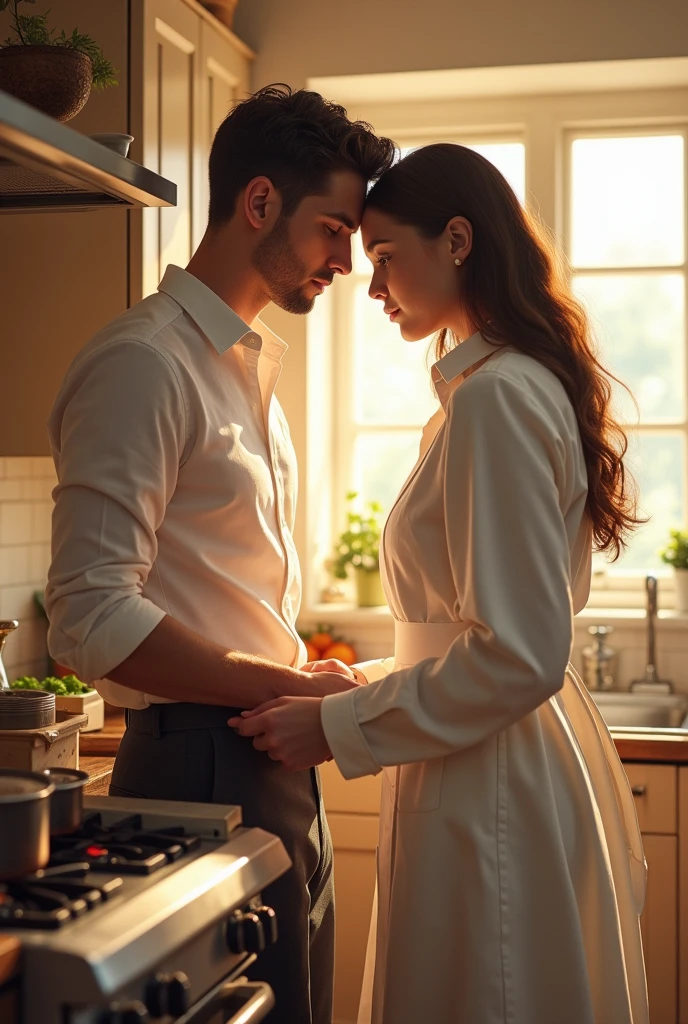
x=44 y=165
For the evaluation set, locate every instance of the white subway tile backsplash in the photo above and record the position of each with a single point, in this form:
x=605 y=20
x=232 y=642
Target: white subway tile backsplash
x=43 y=466
x=26 y=486
x=19 y=468
x=15 y=565
x=16 y=490
x=42 y=521
x=16 y=522
x=39 y=563
x=17 y=602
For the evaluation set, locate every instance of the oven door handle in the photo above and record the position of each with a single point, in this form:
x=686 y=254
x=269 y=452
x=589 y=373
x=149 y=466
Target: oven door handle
x=247 y=1001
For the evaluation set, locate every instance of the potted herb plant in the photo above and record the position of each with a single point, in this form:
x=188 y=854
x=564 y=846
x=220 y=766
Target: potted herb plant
x=358 y=547
x=52 y=72
x=676 y=554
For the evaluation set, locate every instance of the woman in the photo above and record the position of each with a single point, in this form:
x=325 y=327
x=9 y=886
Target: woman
x=511 y=873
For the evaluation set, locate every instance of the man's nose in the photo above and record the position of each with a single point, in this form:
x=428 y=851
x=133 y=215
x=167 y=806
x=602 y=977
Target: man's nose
x=340 y=260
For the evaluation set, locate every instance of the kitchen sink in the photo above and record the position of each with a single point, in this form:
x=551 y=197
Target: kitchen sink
x=642 y=710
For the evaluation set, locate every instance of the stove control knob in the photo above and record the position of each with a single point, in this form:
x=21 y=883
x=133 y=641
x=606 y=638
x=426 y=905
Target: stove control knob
x=168 y=994
x=268 y=919
x=178 y=988
x=245 y=933
x=126 y=1013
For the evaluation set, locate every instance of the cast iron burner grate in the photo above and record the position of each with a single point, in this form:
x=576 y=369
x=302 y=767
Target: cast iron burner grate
x=52 y=897
x=125 y=846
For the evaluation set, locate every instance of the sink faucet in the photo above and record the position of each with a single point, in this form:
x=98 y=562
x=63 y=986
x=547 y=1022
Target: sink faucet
x=651 y=680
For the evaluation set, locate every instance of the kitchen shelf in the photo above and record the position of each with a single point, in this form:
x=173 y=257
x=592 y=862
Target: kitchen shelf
x=44 y=165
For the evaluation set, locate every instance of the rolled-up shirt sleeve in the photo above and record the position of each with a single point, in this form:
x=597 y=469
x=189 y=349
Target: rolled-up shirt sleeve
x=118 y=433
x=509 y=557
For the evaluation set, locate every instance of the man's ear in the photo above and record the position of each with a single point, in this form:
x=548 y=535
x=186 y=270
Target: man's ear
x=262 y=203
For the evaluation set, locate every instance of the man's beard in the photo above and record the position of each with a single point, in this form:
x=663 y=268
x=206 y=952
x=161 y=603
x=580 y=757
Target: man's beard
x=284 y=273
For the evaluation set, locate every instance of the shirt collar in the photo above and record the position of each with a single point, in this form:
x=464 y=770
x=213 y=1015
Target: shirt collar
x=457 y=361
x=221 y=325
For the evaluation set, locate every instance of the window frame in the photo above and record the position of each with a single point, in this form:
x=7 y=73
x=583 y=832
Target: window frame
x=546 y=123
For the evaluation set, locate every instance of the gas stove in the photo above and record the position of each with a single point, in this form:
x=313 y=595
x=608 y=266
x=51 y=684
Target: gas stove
x=150 y=912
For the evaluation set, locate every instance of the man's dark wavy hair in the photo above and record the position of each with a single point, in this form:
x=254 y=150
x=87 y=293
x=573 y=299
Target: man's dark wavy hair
x=297 y=140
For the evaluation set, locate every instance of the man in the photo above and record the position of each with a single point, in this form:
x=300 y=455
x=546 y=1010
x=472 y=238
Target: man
x=175 y=580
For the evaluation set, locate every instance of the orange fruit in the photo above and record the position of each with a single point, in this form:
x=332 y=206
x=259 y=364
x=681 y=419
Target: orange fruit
x=340 y=651
x=312 y=652
x=321 y=641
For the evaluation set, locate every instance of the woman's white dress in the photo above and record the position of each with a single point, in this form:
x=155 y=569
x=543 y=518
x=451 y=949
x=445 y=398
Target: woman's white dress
x=511 y=873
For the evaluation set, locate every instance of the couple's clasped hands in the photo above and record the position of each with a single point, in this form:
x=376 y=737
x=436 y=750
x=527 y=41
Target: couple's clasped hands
x=289 y=729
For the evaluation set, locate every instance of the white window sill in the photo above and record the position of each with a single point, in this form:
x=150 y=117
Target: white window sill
x=349 y=616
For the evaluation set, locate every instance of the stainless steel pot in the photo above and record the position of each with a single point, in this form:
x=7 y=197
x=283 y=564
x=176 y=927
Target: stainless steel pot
x=67 y=802
x=24 y=822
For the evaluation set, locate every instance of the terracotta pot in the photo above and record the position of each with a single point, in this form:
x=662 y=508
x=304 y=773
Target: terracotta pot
x=54 y=79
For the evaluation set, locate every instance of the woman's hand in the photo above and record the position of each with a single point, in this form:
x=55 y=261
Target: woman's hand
x=288 y=730
x=320 y=684
x=334 y=665
x=328 y=665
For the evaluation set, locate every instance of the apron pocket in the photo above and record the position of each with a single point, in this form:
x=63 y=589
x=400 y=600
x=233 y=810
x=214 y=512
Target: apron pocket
x=419 y=786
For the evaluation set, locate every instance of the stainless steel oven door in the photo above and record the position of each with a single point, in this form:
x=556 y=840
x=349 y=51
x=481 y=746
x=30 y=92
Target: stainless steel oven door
x=232 y=1002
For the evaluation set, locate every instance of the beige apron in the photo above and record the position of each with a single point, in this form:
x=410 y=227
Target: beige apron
x=609 y=788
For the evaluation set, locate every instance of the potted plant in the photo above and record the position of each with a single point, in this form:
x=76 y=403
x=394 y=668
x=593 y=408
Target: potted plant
x=676 y=555
x=71 y=695
x=54 y=73
x=358 y=547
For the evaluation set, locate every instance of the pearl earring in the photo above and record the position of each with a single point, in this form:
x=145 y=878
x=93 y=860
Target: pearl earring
x=457 y=261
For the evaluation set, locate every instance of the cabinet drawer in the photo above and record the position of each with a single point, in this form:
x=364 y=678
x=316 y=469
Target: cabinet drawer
x=654 y=790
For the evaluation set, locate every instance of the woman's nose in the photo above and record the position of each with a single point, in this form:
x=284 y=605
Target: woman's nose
x=377 y=290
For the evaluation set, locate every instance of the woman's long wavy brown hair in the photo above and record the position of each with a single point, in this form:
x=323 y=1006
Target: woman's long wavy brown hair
x=514 y=288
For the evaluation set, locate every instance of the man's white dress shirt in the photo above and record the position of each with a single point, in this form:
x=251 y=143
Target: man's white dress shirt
x=177 y=488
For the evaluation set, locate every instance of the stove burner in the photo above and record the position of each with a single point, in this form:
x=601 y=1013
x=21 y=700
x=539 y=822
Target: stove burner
x=52 y=897
x=124 y=846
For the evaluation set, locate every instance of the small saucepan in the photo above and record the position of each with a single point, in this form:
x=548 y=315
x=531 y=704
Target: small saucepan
x=24 y=822
x=67 y=801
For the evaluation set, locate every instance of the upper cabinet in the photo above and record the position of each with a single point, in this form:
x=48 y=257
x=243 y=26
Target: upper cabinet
x=65 y=275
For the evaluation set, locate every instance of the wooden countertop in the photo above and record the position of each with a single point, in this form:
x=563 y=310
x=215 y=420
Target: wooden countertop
x=99 y=770
x=661 y=745
x=105 y=741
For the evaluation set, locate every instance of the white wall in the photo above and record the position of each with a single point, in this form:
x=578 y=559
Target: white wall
x=297 y=39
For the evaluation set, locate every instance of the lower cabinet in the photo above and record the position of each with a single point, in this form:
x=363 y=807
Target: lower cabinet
x=661 y=798
x=655 y=789
x=352 y=811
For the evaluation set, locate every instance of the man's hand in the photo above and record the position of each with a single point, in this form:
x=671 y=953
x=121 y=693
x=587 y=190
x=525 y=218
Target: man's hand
x=288 y=730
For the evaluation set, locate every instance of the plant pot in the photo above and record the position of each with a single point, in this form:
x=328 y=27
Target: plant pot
x=681 y=580
x=55 y=79
x=223 y=10
x=91 y=704
x=369 y=592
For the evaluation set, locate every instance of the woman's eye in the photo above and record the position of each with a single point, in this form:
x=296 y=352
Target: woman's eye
x=331 y=231
x=383 y=261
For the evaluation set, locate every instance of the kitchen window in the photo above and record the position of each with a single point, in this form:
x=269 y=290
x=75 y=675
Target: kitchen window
x=611 y=184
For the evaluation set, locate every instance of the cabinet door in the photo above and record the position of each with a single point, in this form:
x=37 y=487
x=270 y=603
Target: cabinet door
x=223 y=79
x=354 y=839
x=171 y=127
x=63 y=275
x=659 y=925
